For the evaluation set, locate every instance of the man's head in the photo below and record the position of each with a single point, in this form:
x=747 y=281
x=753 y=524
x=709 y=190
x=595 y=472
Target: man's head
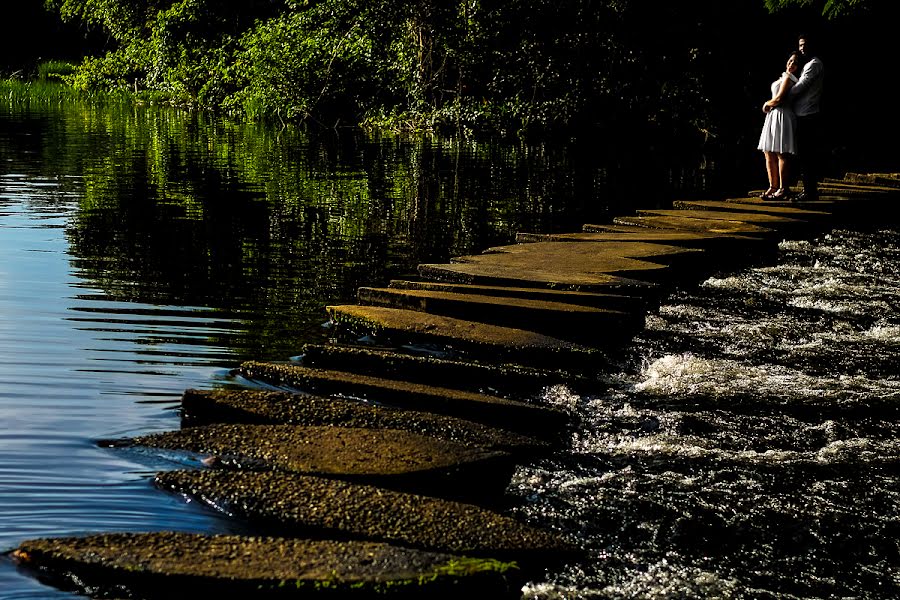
x=804 y=45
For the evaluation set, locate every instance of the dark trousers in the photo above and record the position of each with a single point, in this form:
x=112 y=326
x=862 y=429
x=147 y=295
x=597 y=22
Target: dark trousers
x=809 y=152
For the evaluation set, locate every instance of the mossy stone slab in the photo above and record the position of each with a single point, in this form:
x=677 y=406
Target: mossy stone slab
x=512 y=415
x=182 y=566
x=259 y=407
x=390 y=457
x=760 y=206
x=770 y=221
x=574 y=322
x=466 y=339
x=605 y=233
x=859 y=189
x=720 y=249
x=885 y=180
x=608 y=300
x=328 y=508
x=684 y=222
x=631 y=267
x=505 y=380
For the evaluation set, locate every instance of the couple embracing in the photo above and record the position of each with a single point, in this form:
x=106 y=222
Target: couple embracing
x=792 y=129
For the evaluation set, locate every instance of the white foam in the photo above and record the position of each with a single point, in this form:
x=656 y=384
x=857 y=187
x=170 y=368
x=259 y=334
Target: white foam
x=561 y=396
x=664 y=580
x=884 y=333
x=689 y=375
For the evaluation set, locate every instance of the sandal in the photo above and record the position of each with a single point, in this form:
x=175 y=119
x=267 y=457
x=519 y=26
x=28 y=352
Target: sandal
x=780 y=194
x=768 y=193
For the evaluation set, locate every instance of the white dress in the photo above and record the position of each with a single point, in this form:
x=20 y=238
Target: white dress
x=779 y=130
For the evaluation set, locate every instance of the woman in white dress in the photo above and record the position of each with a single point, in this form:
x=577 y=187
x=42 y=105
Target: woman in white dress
x=778 y=139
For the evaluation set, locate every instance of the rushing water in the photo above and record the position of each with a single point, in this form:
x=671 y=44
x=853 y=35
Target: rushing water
x=749 y=447
x=744 y=448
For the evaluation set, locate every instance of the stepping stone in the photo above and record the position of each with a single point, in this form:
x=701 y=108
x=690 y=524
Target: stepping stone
x=692 y=223
x=760 y=206
x=856 y=188
x=714 y=244
x=170 y=565
x=465 y=339
x=832 y=206
x=770 y=221
x=595 y=299
x=207 y=407
x=392 y=458
x=661 y=254
x=627 y=267
x=529 y=419
x=887 y=180
x=572 y=322
x=508 y=381
x=329 y=508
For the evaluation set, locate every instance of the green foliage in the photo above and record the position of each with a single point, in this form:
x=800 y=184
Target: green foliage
x=830 y=8
x=122 y=19
x=55 y=70
x=304 y=64
x=120 y=69
x=506 y=66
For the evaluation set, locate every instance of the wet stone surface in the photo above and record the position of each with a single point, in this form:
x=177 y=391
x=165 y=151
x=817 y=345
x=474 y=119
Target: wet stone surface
x=201 y=407
x=323 y=507
x=181 y=565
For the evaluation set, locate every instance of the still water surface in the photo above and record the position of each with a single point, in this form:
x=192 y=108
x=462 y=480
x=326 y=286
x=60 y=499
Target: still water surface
x=745 y=446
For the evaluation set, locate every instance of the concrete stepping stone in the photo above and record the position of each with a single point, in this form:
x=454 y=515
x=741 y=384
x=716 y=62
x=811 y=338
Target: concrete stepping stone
x=529 y=419
x=627 y=267
x=565 y=321
x=391 y=458
x=258 y=407
x=672 y=237
x=595 y=299
x=835 y=206
x=777 y=223
x=887 y=180
x=657 y=253
x=718 y=248
x=684 y=222
x=468 y=340
x=174 y=565
x=505 y=380
x=329 y=508
x=759 y=206
x=846 y=187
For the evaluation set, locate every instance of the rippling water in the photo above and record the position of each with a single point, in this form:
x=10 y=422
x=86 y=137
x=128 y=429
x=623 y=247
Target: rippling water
x=744 y=448
x=749 y=446
x=76 y=365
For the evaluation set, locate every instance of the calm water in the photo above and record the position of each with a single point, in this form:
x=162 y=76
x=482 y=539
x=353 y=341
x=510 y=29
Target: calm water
x=745 y=448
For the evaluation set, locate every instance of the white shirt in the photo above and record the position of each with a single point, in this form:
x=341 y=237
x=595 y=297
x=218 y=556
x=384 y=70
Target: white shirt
x=807 y=92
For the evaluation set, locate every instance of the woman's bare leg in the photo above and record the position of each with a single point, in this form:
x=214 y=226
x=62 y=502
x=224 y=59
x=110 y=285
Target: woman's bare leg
x=772 y=172
x=784 y=164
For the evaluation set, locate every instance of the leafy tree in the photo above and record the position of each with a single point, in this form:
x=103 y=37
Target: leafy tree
x=830 y=8
x=479 y=65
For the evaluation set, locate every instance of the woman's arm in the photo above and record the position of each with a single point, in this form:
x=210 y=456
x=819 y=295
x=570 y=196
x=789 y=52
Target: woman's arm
x=786 y=83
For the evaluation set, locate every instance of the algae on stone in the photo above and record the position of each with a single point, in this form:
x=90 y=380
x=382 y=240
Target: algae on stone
x=173 y=565
x=331 y=508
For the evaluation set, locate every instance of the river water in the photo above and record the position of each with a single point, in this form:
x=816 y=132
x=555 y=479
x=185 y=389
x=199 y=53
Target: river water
x=745 y=446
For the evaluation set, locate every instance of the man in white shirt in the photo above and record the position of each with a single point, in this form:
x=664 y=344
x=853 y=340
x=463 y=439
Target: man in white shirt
x=807 y=97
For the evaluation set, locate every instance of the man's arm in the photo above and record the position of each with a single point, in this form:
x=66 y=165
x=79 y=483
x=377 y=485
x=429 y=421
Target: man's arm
x=787 y=84
x=811 y=72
